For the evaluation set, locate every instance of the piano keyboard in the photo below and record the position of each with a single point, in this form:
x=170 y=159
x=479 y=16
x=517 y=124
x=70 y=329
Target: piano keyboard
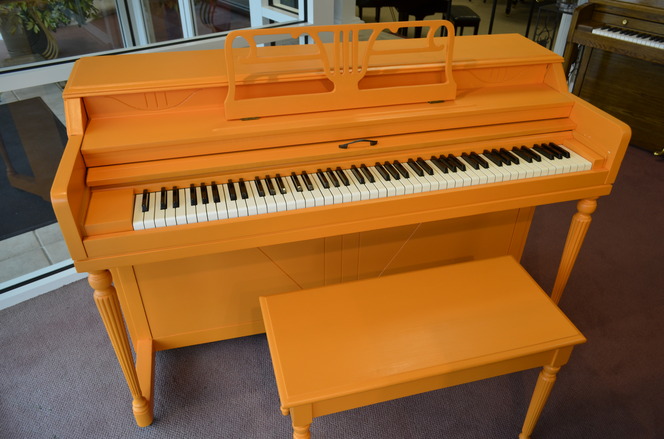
x=631 y=36
x=217 y=201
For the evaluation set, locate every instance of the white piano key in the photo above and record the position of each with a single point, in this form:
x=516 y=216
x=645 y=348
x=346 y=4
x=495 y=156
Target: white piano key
x=352 y=188
x=323 y=196
x=582 y=164
x=390 y=190
x=148 y=217
x=137 y=218
x=220 y=206
x=210 y=207
x=291 y=204
x=298 y=197
x=170 y=210
x=181 y=210
x=261 y=205
x=159 y=213
x=190 y=209
x=231 y=205
x=201 y=210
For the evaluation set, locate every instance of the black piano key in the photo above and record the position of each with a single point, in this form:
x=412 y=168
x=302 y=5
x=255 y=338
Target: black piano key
x=424 y=165
x=527 y=157
x=531 y=153
x=164 y=199
x=145 y=201
x=514 y=159
x=415 y=167
x=553 y=151
x=216 y=198
x=460 y=166
x=323 y=180
x=367 y=173
x=479 y=159
x=544 y=151
x=307 y=181
x=204 y=194
x=192 y=195
x=496 y=160
x=332 y=177
x=296 y=182
x=231 y=190
x=270 y=186
x=358 y=175
x=280 y=184
x=259 y=187
x=342 y=176
x=176 y=197
x=496 y=153
x=399 y=167
x=470 y=160
x=440 y=165
x=562 y=151
x=243 y=189
x=383 y=173
x=451 y=166
x=393 y=172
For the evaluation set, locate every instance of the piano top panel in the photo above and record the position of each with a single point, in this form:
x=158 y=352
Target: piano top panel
x=132 y=73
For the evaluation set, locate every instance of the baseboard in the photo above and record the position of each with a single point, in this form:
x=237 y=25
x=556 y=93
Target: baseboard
x=37 y=283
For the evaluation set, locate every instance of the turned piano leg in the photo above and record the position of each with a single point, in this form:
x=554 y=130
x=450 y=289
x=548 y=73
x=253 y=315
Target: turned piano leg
x=108 y=305
x=577 y=233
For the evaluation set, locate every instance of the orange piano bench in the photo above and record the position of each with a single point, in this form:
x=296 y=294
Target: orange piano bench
x=349 y=345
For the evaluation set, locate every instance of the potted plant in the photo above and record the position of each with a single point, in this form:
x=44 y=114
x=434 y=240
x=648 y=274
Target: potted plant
x=37 y=19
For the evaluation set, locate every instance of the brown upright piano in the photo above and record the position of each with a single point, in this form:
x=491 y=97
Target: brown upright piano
x=615 y=51
x=195 y=182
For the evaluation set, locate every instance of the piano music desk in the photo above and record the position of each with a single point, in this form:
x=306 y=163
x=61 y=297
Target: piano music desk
x=345 y=346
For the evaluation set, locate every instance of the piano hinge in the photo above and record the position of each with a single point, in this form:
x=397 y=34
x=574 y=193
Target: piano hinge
x=436 y=102
x=250 y=118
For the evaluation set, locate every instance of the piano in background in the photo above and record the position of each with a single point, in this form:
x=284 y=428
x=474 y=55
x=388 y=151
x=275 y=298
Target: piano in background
x=300 y=143
x=615 y=51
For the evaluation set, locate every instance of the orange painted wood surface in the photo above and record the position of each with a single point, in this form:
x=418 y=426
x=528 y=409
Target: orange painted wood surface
x=145 y=121
x=349 y=345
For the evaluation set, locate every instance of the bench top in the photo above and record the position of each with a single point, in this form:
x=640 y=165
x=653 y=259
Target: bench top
x=342 y=339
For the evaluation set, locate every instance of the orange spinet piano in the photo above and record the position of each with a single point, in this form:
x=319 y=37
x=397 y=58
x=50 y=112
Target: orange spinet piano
x=195 y=182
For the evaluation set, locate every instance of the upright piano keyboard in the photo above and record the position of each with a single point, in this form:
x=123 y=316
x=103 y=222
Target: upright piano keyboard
x=195 y=182
x=614 y=56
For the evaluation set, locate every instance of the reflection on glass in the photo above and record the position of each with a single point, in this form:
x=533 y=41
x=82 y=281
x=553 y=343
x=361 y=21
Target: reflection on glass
x=212 y=16
x=162 y=20
x=37 y=30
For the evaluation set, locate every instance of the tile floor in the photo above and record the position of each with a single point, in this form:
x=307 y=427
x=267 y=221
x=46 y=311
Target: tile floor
x=41 y=248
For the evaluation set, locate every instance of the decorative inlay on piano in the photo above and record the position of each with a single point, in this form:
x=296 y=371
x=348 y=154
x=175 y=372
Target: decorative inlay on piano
x=266 y=200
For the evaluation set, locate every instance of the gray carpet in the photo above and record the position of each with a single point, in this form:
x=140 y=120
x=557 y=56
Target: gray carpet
x=59 y=377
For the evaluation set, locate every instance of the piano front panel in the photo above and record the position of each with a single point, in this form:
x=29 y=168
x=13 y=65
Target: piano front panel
x=204 y=298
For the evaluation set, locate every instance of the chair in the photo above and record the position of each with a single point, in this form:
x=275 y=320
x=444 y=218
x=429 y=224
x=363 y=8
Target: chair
x=462 y=16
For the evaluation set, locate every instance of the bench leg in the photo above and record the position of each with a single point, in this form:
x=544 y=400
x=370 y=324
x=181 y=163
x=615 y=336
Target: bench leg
x=301 y=432
x=301 y=418
x=545 y=381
